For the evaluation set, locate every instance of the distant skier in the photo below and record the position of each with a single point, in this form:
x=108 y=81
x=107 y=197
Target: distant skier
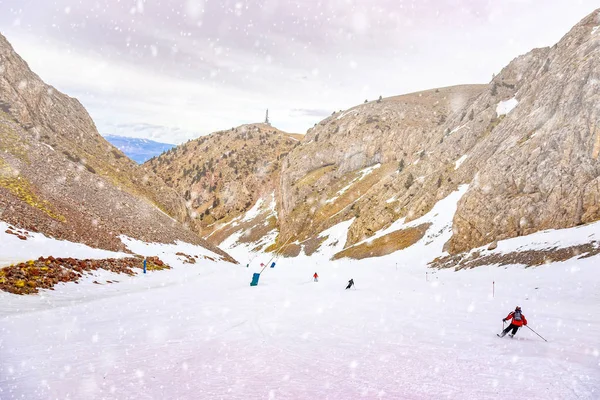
x=350 y=284
x=316 y=277
x=518 y=320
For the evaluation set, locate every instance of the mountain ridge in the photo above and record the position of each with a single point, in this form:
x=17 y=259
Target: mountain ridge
x=58 y=176
x=506 y=139
x=207 y=172
x=526 y=143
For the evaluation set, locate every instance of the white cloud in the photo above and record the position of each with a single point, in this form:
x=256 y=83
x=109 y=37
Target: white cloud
x=120 y=92
x=197 y=66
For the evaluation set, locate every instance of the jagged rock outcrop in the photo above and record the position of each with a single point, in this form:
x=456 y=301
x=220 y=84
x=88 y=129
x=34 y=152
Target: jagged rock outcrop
x=527 y=144
x=224 y=174
x=540 y=168
x=60 y=177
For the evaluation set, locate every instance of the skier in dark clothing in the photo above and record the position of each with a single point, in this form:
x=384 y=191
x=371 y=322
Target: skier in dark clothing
x=350 y=283
x=518 y=320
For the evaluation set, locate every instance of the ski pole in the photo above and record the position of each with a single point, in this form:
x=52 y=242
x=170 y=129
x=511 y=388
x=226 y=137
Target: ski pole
x=536 y=333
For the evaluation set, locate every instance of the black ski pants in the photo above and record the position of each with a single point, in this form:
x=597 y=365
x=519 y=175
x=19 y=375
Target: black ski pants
x=514 y=328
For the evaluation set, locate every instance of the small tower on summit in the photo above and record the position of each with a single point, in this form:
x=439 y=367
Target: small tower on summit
x=267 y=118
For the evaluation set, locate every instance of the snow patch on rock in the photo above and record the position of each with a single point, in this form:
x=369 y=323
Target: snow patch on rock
x=440 y=217
x=254 y=211
x=457 y=129
x=363 y=173
x=342 y=115
x=504 y=107
x=459 y=162
x=548 y=239
x=336 y=240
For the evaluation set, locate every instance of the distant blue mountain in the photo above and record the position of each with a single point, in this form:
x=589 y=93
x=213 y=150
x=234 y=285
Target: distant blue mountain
x=139 y=150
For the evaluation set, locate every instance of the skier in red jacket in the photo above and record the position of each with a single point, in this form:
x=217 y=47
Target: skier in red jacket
x=518 y=320
x=316 y=277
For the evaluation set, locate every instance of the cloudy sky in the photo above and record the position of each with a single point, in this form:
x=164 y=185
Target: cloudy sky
x=172 y=70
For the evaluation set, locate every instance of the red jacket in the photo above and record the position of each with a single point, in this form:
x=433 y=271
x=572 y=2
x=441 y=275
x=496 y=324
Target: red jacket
x=315 y=275
x=522 y=322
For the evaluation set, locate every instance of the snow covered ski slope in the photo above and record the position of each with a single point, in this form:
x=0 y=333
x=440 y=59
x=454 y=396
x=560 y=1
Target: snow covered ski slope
x=204 y=333
x=405 y=332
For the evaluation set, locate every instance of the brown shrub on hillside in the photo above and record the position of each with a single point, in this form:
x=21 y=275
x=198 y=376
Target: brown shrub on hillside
x=43 y=273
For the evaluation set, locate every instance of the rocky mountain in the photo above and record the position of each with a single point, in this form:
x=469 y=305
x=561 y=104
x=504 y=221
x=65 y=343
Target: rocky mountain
x=526 y=144
x=540 y=168
x=139 y=150
x=60 y=177
x=225 y=174
x=375 y=163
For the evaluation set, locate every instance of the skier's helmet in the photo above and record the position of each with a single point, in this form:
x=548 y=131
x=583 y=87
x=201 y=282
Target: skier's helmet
x=518 y=308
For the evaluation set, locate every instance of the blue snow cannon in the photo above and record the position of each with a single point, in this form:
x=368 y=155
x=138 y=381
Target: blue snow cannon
x=273 y=265
x=255 y=277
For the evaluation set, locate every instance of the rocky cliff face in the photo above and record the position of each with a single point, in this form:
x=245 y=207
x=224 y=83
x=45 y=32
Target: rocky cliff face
x=527 y=144
x=375 y=162
x=60 y=177
x=223 y=175
x=540 y=167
